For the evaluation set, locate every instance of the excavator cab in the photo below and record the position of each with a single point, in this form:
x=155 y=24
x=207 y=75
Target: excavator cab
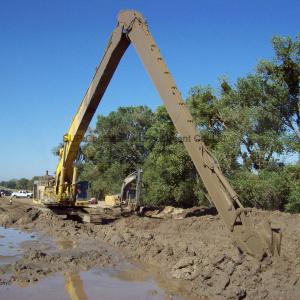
x=81 y=190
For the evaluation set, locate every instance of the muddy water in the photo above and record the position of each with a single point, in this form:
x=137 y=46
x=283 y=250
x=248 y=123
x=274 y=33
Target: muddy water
x=95 y=284
x=11 y=244
x=123 y=281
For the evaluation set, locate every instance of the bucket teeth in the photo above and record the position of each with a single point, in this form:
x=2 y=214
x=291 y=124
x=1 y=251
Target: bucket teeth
x=273 y=238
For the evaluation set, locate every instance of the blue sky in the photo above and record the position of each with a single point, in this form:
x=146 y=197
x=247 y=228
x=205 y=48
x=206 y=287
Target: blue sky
x=49 y=51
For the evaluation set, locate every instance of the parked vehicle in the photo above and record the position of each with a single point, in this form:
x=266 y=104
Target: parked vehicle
x=5 y=193
x=22 y=194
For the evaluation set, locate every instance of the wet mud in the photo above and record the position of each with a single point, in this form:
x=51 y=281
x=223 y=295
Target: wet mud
x=192 y=258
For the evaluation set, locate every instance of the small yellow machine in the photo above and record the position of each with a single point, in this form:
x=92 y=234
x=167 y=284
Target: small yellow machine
x=129 y=195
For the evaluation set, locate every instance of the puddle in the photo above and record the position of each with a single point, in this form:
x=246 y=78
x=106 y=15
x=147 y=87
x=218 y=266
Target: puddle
x=125 y=281
x=99 y=284
x=11 y=244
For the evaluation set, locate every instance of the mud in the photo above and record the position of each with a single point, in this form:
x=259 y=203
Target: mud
x=195 y=253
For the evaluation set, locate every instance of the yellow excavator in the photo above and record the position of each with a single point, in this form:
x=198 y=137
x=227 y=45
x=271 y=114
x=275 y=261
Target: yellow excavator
x=130 y=192
x=64 y=190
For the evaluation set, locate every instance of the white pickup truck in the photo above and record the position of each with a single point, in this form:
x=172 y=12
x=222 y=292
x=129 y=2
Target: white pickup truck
x=21 y=194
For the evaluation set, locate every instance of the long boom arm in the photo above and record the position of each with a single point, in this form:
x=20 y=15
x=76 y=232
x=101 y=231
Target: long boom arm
x=132 y=28
x=116 y=47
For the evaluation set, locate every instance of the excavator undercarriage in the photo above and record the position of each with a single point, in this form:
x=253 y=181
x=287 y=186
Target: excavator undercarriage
x=133 y=29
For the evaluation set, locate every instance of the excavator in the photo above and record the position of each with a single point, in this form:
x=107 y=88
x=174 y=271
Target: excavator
x=132 y=28
x=129 y=196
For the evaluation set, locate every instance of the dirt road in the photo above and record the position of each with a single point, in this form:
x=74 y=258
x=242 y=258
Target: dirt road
x=195 y=254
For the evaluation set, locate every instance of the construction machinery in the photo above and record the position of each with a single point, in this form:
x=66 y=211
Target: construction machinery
x=130 y=192
x=133 y=29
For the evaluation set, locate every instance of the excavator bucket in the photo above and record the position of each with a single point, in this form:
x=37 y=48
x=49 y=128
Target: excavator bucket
x=252 y=241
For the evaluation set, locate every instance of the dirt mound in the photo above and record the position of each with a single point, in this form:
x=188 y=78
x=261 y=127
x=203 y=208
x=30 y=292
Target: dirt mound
x=195 y=251
x=199 y=251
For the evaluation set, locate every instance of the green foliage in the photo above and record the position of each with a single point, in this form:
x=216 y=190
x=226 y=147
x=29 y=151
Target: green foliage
x=283 y=73
x=236 y=125
x=11 y=184
x=23 y=184
x=19 y=184
x=293 y=203
x=115 y=148
x=248 y=126
x=251 y=124
x=266 y=190
x=170 y=177
x=55 y=151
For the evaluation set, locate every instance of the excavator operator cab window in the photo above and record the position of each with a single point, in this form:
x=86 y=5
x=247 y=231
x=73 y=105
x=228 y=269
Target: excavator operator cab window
x=82 y=190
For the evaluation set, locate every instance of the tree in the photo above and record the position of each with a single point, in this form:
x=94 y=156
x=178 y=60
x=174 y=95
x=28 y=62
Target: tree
x=56 y=150
x=251 y=124
x=256 y=120
x=22 y=184
x=293 y=176
x=115 y=148
x=19 y=184
x=170 y=177
x=12 y=184
x=237 y=126
x=248 y=126
x=269 y=189
x=283 y=72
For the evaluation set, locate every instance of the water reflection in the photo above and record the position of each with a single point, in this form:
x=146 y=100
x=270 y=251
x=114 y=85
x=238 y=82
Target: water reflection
x=100 y=284
x=74 y=286
x=126 y=281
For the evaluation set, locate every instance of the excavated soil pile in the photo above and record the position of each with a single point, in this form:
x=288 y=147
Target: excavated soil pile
x=196 y=252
